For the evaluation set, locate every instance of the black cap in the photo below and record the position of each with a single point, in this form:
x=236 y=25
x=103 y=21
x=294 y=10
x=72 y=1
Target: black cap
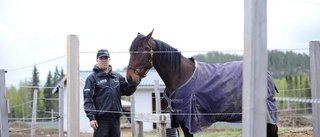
x=103 y=53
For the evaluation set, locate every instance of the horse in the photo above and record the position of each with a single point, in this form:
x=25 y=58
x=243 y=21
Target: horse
x=193 y=92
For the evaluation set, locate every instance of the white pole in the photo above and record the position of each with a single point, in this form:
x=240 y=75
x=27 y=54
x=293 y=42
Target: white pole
x=132 y=112
x=157 y=96
x=4 y=126
x=73 y=86
x=34 y=113
x=61 y=110
x=315 y=84
x=52 y=116
x=160 y=126
x=254 y=110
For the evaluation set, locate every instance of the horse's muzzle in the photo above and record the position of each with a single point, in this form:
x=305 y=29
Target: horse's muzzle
x=135 y=79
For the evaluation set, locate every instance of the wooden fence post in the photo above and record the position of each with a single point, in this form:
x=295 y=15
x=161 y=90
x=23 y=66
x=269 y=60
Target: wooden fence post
x=73 y=107
x=161 y=127
x=139 y=129
x=314 y=47
x=132 y=112
x=4 y=125
x=61 y=109
x=34 y=113
x=254 y=96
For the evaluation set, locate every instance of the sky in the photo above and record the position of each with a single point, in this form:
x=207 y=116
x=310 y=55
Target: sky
x=34 y=32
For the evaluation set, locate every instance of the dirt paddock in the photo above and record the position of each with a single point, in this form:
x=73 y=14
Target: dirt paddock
x=126 y=132
x=290 y=125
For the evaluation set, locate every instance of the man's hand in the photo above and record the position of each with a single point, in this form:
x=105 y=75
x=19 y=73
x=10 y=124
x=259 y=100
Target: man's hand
x=94 y=124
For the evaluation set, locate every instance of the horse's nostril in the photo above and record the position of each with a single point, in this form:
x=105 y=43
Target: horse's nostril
x=130 y=80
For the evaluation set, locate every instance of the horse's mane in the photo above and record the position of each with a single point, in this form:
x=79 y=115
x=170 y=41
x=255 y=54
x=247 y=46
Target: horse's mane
x=170 y=55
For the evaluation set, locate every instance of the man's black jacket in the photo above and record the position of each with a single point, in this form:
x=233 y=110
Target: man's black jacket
x=102 y=93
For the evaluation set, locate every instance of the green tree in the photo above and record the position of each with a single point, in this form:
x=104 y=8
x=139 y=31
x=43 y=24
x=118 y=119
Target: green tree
x=56 y=76
x=34 y=81
x=280 y=63
x=47 y=93
x=20 y=105
x=308 y=92
x=217 y=57
x=55 y=80
x=14 y=98
x=62 y=75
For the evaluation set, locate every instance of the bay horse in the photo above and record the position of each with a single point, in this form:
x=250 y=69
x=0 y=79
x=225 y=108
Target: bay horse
x=198 y=94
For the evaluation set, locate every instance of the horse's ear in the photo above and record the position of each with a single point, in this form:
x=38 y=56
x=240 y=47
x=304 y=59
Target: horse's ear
x=139 y=33
x=150 y=34
x=148 y=37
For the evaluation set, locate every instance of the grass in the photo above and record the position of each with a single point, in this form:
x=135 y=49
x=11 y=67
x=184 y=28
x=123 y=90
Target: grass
x=283 y=130
x=217 y=132
x=220 y=133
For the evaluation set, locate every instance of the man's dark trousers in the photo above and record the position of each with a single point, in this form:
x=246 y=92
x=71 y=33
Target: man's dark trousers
x=108 y=127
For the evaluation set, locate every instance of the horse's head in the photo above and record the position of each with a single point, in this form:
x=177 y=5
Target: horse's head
x=141 y=53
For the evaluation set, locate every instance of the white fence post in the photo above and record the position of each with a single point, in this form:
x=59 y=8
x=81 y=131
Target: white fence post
x=157 y=96
x=314 y=47
x=139 y=129
x=4 y=125
x=73 y=127
x=61 y=109
x=132 y=112
x=161 y=126
x=254 y=108
x=34 y=113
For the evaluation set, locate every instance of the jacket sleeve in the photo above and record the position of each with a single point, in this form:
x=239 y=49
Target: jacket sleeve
x=88 y=92
x=126 y=88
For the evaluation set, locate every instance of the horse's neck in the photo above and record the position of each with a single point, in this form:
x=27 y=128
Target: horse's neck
x=174 y=79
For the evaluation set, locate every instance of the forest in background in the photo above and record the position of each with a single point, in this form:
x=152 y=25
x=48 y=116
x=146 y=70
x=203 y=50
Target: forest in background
x=280 y=64
x=21 y=98
x=291 y=72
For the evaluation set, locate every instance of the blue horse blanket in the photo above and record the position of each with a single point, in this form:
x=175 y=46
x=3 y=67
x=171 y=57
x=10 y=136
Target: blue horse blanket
x=214 y=93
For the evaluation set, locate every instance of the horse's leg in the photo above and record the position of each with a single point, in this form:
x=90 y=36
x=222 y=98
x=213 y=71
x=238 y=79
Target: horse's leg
x=185 y=131
x=272 y=130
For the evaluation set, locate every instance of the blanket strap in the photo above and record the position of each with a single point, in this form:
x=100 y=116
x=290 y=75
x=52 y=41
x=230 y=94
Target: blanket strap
x=174 y=124
x=169 y=101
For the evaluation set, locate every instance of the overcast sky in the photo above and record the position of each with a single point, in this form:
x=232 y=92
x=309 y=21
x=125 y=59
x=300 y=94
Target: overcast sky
x=35 y=31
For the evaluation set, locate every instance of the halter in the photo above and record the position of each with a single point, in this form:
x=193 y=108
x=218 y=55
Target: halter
x=137 y=71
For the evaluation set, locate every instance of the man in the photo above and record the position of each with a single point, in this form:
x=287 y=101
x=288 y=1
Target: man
x=102 y=97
